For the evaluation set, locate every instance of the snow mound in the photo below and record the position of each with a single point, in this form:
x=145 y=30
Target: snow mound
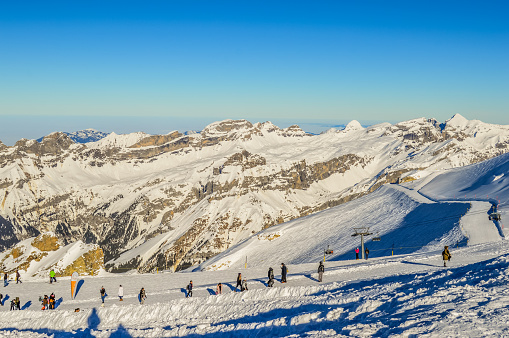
x=353 y=125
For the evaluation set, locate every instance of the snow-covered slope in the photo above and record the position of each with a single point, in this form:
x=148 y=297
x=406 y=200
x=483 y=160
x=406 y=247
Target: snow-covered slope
x=175 y=200
x=402 y=215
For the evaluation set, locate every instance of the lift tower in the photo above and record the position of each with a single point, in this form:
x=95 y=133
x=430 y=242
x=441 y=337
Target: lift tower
x=362 y=232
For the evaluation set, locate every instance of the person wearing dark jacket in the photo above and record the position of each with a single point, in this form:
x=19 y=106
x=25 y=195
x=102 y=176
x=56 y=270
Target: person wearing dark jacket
x=6 y=277
x=270 y=283
x=239 y=282
x=446 y=255
x=366 y=253
x=189 y=289
x=143 y=296
x=52 y=301
x=18 y=277
x=284 y=271
x=103 y=294
x=321 y=270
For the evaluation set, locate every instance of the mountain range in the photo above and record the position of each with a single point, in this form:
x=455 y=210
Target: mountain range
x=176 y=200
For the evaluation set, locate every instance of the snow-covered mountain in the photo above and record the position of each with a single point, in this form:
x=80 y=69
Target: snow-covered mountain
x=175 y=200
x=84 y=136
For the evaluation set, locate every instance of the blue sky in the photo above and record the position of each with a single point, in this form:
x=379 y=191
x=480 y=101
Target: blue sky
x=179 y=65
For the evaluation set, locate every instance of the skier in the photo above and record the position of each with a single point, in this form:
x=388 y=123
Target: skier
x=446 y=255
x=284 y=271
x=143 y=296
x=45 y=302
x=356 y=253
x=270 y=283
x=366 y=252
x=244 y=285
x=18 y=303
x=219 y=289
x=52 y=301
x=239 y=282
x=189 y=289
x=121 y=293
x=52 y=277
x=103 y=295
x=321 y=270
x=13 y=305
x=18 y=277
x=6 y=277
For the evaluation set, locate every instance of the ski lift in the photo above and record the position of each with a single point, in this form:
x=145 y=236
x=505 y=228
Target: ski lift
x=494 y=216
x=328 y=251
x=377 y=238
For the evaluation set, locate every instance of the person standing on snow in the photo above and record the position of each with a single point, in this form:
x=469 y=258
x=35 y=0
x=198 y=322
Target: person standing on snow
x=103 y=295
x=284 y=271
x=52 y=277
x=446 y=255
x=6 y=277
x=189 y=289
x=143 y=296
x=356 y=253
x=239 y=282
x=270 y=283
x=52 y=301
x=45 y=302
x=321 y=270
x=244 y=285
x=121 y=293
x=366 y=252
x=219 y=289
x=18 y=277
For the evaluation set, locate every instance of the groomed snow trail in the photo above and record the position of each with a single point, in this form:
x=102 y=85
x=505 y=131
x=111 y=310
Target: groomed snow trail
x=394 y=296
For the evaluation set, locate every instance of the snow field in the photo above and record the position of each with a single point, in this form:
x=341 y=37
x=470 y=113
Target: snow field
x=397 y=296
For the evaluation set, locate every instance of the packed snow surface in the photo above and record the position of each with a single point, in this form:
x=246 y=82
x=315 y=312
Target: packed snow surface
x=400 y=295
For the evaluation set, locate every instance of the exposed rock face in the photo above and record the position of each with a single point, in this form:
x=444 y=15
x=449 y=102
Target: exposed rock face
x=46 y=242
x=88 y=264
x=180 y=199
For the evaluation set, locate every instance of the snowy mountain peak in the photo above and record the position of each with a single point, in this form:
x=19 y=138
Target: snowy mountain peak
x=457 y=121
x=225 y=127
x=118 y=140
x=353 y=125
x=81 y=136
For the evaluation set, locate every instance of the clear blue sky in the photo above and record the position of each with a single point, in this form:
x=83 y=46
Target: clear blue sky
x=200 y=61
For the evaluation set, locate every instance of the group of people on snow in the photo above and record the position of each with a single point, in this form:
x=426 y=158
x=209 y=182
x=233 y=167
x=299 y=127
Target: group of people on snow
x=366 y=253
x=48 y=303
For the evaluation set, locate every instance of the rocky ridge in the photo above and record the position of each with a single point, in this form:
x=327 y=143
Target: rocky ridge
x=175 y=200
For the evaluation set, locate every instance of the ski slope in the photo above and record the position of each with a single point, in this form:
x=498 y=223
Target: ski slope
x=401 y=295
